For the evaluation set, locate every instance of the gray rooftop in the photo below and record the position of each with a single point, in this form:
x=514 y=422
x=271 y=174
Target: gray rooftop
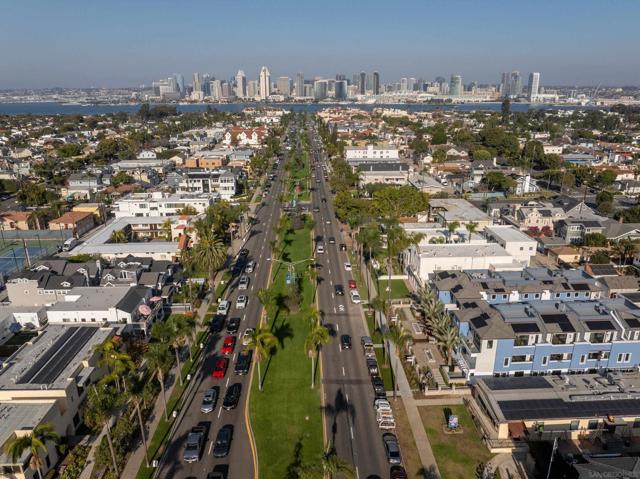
x=14 y=417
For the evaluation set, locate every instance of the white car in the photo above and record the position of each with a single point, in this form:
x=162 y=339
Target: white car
x=223 y=307
x=246 y=335
x=244 y=282
x=347 y=266
x=355 y=297
x=328 y=222
x=250 y=267
x=241 y=302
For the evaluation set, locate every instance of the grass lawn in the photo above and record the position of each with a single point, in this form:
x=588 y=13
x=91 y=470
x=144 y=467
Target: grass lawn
x=399 y=288
x=374 y=333
x=457 y=455
x=408 y=449
x=288 y=411
x=385 y=371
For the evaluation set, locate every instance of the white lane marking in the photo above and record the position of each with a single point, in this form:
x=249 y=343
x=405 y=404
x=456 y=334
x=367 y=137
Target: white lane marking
x=211 y=442
x=331 y=282
x=234 y=357
x=351 y=429
x=329 y=270
x=226 y=385
x=334 y=310
x=337 y=327
x=219 y=412
x=244 y=316
x=357 y=473
x=343 y=373
x=332 y=296
x=346 y=396
x=252 y=287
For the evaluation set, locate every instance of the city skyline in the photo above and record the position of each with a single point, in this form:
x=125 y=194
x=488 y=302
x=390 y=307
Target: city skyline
x=123 y=45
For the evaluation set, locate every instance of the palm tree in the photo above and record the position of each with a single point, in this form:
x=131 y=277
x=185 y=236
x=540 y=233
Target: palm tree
x=452 y=226
x=313 y=276
x=185 y=327
x=118 y=236
x=625 y=249
x=471 y=228
x=328 y=465
x=313 y=315
x=400 y=337
x=318 y=336
x=166 y=229
x=262 y=341
x=397 y=241
x=34 y=442
x=136 y=395
x=447 y=340
x=158 y=360
x=100 y=404
x=176 y=339
x=116 y=362
x=265 y=296
x=210 y=252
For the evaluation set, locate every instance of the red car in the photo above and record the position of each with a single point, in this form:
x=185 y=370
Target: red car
x=228 y=345
x=220 y=368
x=352 y=284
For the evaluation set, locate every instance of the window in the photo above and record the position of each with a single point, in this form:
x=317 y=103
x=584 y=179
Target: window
x=553 y=357
x=521 y=358
x=526 y=295
x=583 y=359
x=620 y=357
x=593 y=424
x=537 y=295
x=505 y=363
x=636 y=422
x=575 y=425
x=490 y=344
x=545 y=360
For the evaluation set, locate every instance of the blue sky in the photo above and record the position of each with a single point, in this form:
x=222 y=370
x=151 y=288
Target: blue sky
x=76 y=43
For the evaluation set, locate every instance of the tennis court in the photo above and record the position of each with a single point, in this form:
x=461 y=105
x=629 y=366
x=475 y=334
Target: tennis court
x=13 y=254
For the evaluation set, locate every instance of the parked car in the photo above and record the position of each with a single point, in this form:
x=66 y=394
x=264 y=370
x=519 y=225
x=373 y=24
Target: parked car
x=220 y=368
x=233 y=325
x=347 y=266
x=391 y=448
x=232 y=396
x=223 y=307
x=209 y=400
x=397 y=472
x=243 y=283
x=345 y=341
x=244 y=252
x=339 y=289
x=332 y=240
x=193 y=447
x=241 y=302
x=378 y=387
x=223 y=441
x=372 y=366
x=228 y=345
x=244 y=362
x=352 y=284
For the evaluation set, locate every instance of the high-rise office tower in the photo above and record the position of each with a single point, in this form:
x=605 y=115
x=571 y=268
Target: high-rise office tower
x=403 y=84
x=241 y=84
x=455 y=85
x=534 y=85
x=505 y=84
x=252 y=89
x=284 y=86
x=362 y=83
x=376 y=83
x=411 y=84
x=197 y=82
x=340 y=76
x=226 y=90
x=368 y=84
x=340 y=89
x=216 y=90
x=300 y=85
x=180 y=81
x=516 y=83
x=264 y=83
x=320 y=89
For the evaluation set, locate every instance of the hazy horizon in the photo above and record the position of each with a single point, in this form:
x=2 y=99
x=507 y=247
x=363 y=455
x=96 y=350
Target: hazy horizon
x=75 y=44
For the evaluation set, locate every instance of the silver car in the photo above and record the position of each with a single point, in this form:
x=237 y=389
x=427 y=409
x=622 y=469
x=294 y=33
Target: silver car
x=241 y=302
x=243 y=283
x=209 y=401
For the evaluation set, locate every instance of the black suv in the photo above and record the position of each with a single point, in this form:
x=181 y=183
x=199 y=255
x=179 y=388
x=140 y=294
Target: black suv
x=217 y=323
x=378 y=387
x=232 y=396
x=345 y=341
x=339 y=290
x=233 y=325
x=244 y=362
x=223 y=441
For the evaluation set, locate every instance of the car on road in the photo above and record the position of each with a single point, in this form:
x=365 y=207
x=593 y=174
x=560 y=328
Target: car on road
x=339 y=290
x=352 y=284
x=193 y=447
x=251 y=265
x=220 y=368
x=316 y=209
x=343 y=247
x=228 y=345
x=345 y=341
x=243 y=283
x=320 y=248
x=332 y=240
x=233 y=325
x=328 y=222
x=323 y=200
x=209 y=400
x=372 y=366
x=223 y=307
x=317 y=180
x=347 y=266
x=391 y=448
x=246 y=336
x=217 y=323
x=223 y=441
x=378 y=387
x=232 y=396
x=243 y=252
x=244 y=362
x=221 y=471
x=241 y=302
x=355 y=297
x=397 y=472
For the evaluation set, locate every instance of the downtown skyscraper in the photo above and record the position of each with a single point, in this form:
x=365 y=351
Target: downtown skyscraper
x=265 y=83
x=241 y=84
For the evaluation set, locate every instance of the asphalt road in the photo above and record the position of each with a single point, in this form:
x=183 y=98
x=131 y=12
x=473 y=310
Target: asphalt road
x=240 y=460
x=351 y=422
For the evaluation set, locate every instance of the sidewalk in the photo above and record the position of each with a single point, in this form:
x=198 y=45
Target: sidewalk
x=427 y=458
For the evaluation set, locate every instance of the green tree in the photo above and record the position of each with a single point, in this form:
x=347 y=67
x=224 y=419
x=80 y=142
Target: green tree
x=328 y=465
x=604 y=196
x=317 y=337
x=159 y=360
x=68 y=150
x=440 y=155
x=481 y=155
x=452 y=227
x=35 y=442
x=606 y=178
x=471 y=228
x=119 y=236
x=439 y=135
x=599 y=257
x=496 y=180
x=117 y=362
x=211 y=253
x=505 y=110
x=99 y=408
x=121 y=178
x=262 y=341
x=188 y=210
x=595 y=239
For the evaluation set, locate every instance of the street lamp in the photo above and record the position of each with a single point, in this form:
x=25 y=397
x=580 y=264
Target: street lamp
x=291 y=266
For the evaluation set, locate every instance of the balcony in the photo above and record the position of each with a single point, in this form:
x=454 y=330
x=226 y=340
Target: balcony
x=468 y=344
x=559 y=339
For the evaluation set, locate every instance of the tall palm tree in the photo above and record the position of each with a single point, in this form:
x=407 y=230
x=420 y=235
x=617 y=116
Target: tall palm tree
x=34 y=442
x=135 y=392
x=313 y=315
x=265 y=296
x=210 y=252
x=118 y=236
x=625 y=249
x=166 y=229
x=397 y=241
x=185 y=327
x=176 y=338
x=116 y=362
x=98 y=410
x=447 y=340
x=262 y=341
x=328 y=465
x=317 y=337
x=400 y=338
x=452 y=226
x=471 y=228
x=158 y=360
x=313 y=276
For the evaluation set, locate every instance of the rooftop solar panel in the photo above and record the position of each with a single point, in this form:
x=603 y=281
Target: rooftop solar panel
x=600 y=326
x=527 y=382
x=479 y=321
x=525 y=328
x=39 y=364
x=581 y=287
x=559 y=409
x=632 y=322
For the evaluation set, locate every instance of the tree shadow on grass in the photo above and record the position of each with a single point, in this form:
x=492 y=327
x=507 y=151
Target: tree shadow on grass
x=293 y=468
x=281 y=332
x=428 y=472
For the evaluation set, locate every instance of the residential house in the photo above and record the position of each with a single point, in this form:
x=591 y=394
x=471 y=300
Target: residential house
x=79 y=222
x=17 y=220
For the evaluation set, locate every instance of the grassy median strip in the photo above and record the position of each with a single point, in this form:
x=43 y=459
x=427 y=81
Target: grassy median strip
x=286 y=416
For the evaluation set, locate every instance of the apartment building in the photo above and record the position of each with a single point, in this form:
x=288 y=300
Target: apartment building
x=161 y=204
x=382 y=151
x=222 y=182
